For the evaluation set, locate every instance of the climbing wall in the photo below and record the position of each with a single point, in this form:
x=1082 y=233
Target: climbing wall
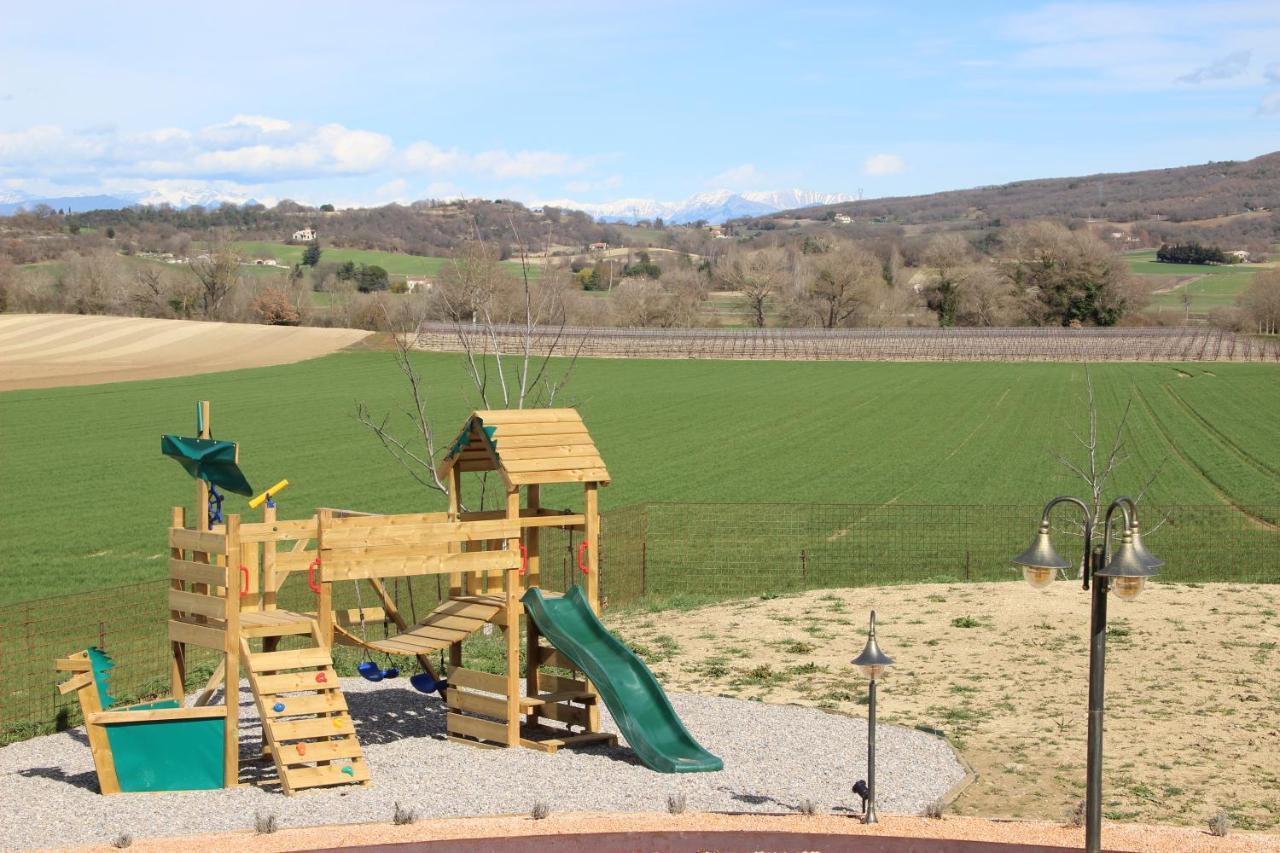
x=305 y=722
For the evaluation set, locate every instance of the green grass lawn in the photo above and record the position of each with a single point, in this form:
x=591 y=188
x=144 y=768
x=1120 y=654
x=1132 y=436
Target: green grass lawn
x=394 y=263
x=1217 y=285
x=85 y=493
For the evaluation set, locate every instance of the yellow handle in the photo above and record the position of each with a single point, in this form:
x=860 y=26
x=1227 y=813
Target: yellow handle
x=257 y=502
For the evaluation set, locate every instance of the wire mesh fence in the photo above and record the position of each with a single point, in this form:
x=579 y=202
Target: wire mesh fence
x=1179 y=343
x=648 y=552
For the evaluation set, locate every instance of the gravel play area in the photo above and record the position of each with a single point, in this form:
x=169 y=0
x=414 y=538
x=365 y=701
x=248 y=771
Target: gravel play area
x=775 y=757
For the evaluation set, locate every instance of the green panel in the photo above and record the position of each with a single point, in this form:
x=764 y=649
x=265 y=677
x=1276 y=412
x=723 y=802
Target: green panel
x=102 y=665
x=636 y=700
x=168 y=755
x=209 y=460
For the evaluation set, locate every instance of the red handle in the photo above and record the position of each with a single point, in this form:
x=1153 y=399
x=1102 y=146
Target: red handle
x=244 y=582
x=581 y=549
x=524 y=559
x=311 y=576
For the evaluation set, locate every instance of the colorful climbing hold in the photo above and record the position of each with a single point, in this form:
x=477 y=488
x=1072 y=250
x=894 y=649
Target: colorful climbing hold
x=302 y=749
x=337 y=722
x=349 y=770
x=321 y=678
x=278 y=707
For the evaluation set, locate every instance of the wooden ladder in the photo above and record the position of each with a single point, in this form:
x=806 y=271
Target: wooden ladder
x=306 y=726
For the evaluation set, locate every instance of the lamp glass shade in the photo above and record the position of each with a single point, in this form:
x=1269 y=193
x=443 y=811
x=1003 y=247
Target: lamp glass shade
x=1127 y=588
x=1040 y=554
x=872 y=661
x=1038 y=576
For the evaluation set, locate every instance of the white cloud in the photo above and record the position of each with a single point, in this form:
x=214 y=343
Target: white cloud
x=1270 y=105
x=581 y=186
x=1224 y=68
x=884 y=164
x=426 y=157
x=1272 y=72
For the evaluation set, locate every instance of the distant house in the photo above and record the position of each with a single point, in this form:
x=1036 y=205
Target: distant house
x=412 y=284
x=843 y=218
x=599 y=247
x=306 y=235
x=266 y=262
x=1240 y=255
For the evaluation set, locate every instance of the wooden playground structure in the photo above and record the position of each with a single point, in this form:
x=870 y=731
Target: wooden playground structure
x=225 y=577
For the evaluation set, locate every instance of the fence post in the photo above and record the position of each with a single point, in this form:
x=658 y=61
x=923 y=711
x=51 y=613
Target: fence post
x=804 y=569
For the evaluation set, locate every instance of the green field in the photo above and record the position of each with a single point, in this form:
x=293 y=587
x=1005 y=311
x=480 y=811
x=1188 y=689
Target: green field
x=1215 y=286
x=84 y=491
x=395 y=263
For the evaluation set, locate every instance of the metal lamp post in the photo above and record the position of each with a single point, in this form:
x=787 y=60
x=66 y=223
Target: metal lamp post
x=872 y=662
x=1125 y=572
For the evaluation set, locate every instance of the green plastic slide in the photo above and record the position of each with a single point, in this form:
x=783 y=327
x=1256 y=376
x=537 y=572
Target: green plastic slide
x=633 y=695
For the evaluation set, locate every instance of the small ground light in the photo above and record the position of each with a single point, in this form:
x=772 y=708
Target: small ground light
x=873 y=662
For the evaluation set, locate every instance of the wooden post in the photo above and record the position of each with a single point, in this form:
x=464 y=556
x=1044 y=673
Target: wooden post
x=202 y=488
x=533 y=541
x=512 y=629
x=99 y=745
x=231 y=682
x=269 y=584
x=178 y=669
x=455 y=497
x=324 y=601
x=591 y=535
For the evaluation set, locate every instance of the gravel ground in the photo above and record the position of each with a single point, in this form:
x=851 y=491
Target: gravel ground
x=775 y=756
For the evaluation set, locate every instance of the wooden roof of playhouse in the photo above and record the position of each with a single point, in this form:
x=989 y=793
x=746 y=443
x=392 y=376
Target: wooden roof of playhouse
x=527 y=447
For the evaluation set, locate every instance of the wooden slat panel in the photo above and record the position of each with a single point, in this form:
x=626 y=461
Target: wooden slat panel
x=194 y=540
x=191 y=602
x=547 y=451
x=278 y=531
x=375 y=532
x=481 y=610
x=154 y=715
x=478 y=704
x=294 y=561
x=410 y=645
x=477 y=728
x=566 y=714
x=348 y=618
x=199 y=635
x=347 y=747
x=476 y=680
x=548 y=656
x=335 y=568
x=507 y=439
x=314 y=658
x=553 y=463
x=185 y=570
x=561 y=428
x=74 y=683
x=319 y=727
x=559 y=684
x=589 y=475
x=292 y=682
x=326 y=774
x=494 y=417
x=318 y=703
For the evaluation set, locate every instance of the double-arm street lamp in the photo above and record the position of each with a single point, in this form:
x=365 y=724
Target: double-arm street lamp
x=1123 y=572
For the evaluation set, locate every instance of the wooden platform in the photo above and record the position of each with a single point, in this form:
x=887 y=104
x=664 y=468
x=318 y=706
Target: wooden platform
x=451 y=622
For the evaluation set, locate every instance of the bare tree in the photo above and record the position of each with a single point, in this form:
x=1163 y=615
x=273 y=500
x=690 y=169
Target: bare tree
x=1100 y=460
x=1260 y=303
x=846 y=283
x=757 y=275
x=218 y=275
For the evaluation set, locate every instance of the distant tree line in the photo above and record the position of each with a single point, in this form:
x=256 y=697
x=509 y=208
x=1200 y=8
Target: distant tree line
x=1190 y=253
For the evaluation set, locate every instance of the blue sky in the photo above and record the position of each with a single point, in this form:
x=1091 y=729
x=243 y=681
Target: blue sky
x=375 y=102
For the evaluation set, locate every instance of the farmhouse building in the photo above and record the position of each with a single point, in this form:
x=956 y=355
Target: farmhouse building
x=306 y=235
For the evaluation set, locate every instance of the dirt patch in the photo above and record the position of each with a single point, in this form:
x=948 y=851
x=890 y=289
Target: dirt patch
x=1140 y=839
x=49 y=350
x=1193 y=706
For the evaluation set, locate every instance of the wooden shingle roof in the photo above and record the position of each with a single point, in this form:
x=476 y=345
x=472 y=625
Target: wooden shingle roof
x=528 y=447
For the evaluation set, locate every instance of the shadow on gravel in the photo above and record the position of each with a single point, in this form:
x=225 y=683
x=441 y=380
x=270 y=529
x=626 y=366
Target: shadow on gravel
x=87 y=781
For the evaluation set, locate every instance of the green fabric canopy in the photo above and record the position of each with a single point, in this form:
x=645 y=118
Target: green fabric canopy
x=208 y=460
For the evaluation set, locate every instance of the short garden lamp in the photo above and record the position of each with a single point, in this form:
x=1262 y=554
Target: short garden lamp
x=873 y=663
x=1124 y=572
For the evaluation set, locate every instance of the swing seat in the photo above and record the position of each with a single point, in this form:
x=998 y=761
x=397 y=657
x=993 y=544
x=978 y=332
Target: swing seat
x=370 y=671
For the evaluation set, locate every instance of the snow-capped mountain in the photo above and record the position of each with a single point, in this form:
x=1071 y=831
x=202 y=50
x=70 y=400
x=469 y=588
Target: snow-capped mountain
x=714 y=206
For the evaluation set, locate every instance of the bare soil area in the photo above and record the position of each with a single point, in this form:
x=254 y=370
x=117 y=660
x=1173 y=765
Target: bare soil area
x=1136 y=838
x=49 y=350
x=1193 y=701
